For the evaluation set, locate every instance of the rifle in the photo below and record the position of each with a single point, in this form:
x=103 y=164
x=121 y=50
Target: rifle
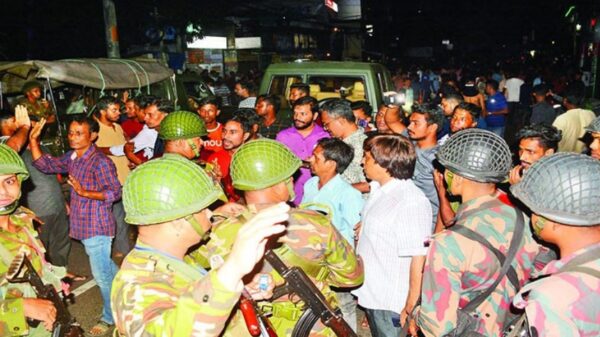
x=64 y=325
x=256 y=322
x=300 y=284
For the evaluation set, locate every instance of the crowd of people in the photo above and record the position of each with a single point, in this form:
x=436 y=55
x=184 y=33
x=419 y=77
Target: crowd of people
x=417 y=213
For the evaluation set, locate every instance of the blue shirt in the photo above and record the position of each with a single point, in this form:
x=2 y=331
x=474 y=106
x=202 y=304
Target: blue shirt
x=344 y=201
x=495 y=103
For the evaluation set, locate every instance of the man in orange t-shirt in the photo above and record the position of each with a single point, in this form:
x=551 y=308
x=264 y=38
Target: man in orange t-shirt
x=208 y=109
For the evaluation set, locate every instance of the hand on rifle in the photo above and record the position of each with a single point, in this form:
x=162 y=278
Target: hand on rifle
x=41 y=310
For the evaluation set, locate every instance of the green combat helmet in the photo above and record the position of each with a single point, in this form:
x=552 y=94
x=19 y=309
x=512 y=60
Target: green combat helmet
x=262 y=163
x=11 y=163
x=479 y=155
x=182 y=125
x=166 y=189
x=30 y=85
x=564 y=187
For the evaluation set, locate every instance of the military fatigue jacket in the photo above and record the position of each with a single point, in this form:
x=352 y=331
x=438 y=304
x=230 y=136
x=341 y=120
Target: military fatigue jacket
x=458 y=269
x=155 y=294
x=36 y=109
x=310 y=240
x=565 y=304
x=24 y=240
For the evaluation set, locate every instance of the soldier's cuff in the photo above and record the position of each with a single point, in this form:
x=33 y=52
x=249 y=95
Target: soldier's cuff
x=12 y=318
x=217 y=292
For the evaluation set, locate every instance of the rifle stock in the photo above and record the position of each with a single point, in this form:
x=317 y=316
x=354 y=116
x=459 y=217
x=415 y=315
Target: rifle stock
x=64 y=325
x=300 y=284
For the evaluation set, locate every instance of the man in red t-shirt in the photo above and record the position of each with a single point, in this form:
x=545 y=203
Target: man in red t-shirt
x=208 y=109
x=235 y=133
x=135 y=118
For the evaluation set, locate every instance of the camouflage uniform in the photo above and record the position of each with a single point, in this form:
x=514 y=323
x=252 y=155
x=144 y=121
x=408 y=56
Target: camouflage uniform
x=36 y=108
x=312 y=243
x=458 y=269
x=157 y=295
x=12 y=316
x=573 y=313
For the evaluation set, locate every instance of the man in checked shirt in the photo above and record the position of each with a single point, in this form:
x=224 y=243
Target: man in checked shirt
x=93 y=178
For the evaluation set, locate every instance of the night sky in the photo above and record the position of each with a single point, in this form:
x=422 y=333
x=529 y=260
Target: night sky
x=53 y=29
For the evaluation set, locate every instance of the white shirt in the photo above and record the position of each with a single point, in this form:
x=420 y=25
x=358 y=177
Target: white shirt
x=396 y=223
x=143 y=141
x=248 y=102
x=513 y=89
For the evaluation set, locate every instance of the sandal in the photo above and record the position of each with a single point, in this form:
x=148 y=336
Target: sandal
x=75 y=278
x=100 y=329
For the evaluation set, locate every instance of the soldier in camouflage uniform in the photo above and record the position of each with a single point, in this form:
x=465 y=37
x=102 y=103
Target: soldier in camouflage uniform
x=18 y=301
x=458 y=268
x=159 y=291
x=263 y=169
x=563 y=191
x=36 y=106
x=181 y=131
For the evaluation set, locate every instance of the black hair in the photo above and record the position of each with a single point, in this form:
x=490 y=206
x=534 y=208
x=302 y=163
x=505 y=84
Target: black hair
x=302 y=87
x=338 y=107
x=473 y=109
x=547 y=136
x=364 y=105
x=455 y=96
x=493 y=83
x=248 y=85
x=338 y=151
x=6 y=115
x=214 y=100
x=540 y=90
x=241 y=116
x=162 y=105
x=103 y=104
x=307 y=100
x=92 y=123
x=271 y=100
x=433 y=114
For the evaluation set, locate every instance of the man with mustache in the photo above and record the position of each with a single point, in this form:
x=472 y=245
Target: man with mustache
x=302 y=138
x=535 y=142
x=235 y=133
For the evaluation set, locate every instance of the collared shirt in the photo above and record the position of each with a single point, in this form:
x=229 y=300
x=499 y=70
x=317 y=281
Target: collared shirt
x=144 y=141
x=111 y=136
x=95 y=172
x=423 y=177
x=396 y=222
x=354 y=172
x=493 y=104
x=302 y=147
x=572 y=125
x=458 y=269
x=344 y=201
x=272 y=130
x=573 y=313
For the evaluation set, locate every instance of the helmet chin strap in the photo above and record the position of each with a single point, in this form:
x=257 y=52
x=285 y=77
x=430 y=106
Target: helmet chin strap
x=196 y=226
x=195 y=149
x=4 y=210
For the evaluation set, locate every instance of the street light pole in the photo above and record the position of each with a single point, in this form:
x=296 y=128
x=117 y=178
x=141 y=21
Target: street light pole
x=110 y=29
